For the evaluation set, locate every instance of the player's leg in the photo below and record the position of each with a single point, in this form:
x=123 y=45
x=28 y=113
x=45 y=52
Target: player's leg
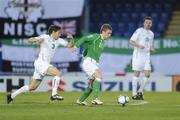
x=89 y=66
x=138 y=64
x=55 y=82
x=145 y=80
x=32 y=86
x=86 y=93
x=144 y=83
x=136 y=73
x=135 y=79
x=86 y=66
x=147 y=71
x=96 y=87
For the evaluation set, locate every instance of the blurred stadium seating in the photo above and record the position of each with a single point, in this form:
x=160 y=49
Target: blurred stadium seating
x=126 y=15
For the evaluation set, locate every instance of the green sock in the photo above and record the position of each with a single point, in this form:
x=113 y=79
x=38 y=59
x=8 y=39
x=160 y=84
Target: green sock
x=85 y=94
x=96 y=89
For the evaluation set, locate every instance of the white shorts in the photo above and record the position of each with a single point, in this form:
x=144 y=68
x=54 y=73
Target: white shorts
x=89 y=65
x=141 y=63
x=40 y=69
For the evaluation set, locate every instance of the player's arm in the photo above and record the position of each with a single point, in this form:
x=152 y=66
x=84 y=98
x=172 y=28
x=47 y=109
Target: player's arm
x=151 y=45
x=68 y=42
x=35 y=39
x=152 y=49
x=81 y=41
x=84 y=39
x=74 y=45
x=134 y=44
x=134 y=38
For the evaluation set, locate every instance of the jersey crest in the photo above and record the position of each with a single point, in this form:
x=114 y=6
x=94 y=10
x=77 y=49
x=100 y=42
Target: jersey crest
x=101 y=44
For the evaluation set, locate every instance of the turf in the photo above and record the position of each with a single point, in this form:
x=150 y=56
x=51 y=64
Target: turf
x=37 y=106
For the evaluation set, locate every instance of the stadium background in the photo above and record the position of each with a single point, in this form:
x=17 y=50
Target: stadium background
x=21 y=19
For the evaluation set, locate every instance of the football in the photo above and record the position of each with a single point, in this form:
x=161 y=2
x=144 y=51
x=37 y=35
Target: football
x=123 y=100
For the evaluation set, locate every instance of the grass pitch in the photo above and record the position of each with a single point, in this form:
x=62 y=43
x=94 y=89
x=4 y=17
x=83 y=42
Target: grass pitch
x=37 y=106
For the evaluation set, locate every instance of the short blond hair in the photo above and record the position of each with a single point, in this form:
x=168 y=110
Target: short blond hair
x=105 y=27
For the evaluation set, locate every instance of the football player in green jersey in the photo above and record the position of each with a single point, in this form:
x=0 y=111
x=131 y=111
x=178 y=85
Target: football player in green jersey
x=94 y=46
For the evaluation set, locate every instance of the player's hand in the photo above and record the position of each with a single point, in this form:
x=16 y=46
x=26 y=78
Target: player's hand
x=40 y=40
x=70 y=40
x=141 y=47
x=153 y=50
x=69 y=36
x=73 y=49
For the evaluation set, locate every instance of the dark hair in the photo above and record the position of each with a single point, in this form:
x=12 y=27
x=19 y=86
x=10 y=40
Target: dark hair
x=105 y=27
x=147 y=18
x=54 y=28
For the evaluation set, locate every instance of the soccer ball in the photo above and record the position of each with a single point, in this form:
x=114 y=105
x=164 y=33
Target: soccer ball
x=123 y=100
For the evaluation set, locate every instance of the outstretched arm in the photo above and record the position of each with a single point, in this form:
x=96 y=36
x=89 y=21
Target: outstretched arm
x=81 y=41
x=35 y=39
x=74 y=45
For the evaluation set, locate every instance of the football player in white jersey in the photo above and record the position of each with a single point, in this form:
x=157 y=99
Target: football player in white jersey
x=142 y=41
x=48 y=44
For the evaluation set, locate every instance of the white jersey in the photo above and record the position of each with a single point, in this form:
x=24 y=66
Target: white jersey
x=145 y=38
x=48 y=47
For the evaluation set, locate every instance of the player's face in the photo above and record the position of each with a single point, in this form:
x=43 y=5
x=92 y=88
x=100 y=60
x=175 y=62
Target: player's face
x=106 y=34
x=147 y=24
x=57 y=34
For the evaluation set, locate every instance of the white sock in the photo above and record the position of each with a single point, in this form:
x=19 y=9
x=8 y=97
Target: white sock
x=19 y=91
x=55 y=84
x=134 y=85
x=143 y=85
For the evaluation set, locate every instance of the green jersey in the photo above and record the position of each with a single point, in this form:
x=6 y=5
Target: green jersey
x=94 y=46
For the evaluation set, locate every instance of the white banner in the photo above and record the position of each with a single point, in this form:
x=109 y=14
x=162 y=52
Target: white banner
x=161 y=63
x=11 y=83
x=52 y=8
x=27 y=18
x=15 y=53
x=78 y=82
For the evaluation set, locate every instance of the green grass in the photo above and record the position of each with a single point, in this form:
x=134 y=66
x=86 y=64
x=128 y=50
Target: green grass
x=36 y=106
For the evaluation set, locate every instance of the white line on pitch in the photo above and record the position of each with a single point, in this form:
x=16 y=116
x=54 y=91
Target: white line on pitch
x=139 y=103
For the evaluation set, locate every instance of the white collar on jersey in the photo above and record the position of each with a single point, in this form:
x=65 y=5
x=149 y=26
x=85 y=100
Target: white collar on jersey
x=101 y=37
x=146 y=29
x=52 y=39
